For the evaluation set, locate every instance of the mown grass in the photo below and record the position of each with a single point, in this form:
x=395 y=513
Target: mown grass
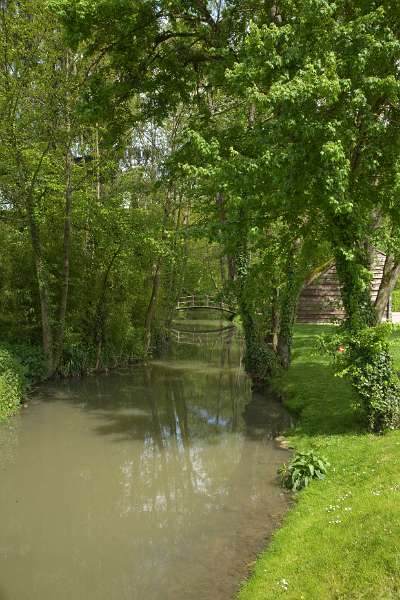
x=341 y=540
x=396 y=300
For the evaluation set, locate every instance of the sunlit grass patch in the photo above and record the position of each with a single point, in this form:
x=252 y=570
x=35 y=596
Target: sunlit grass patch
x=341 y=539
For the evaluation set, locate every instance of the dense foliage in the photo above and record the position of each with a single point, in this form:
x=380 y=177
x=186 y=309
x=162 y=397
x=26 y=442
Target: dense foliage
x=12 y=383
x=151 y=149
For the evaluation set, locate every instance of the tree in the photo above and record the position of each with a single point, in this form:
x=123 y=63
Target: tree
x=326 y=83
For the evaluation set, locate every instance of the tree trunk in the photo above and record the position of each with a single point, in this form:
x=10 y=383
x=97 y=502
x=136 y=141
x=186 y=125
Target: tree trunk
x=230 y=261
x=178 y=268
x=222 y=269
x=151 y=308
x=355 y=288
x=288 y=308
x=253 y=356
x=66 y=261
x=98 y=179
x=285 y=338
x=275 y=319
x=391 y=273
x=100 y=315
x=231 y=267
x=41 y=276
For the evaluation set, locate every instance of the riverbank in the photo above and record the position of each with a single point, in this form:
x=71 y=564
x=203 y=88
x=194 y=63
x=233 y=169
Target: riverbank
x=340 y=541
x=22 y=366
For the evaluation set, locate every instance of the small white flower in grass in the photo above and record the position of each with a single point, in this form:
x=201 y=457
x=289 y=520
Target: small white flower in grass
x=347 y=508
x=284 y=584
x=376 y=492
x=344 y=497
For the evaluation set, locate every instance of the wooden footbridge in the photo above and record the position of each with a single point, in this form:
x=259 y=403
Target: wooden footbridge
x=204 y=303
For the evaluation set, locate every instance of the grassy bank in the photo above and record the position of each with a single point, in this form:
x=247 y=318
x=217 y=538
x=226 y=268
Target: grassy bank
x=341 y=540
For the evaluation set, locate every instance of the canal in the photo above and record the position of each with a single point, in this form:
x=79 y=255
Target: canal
x=153 y=483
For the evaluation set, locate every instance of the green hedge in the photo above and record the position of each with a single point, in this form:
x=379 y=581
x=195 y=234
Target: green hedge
x=13 y=383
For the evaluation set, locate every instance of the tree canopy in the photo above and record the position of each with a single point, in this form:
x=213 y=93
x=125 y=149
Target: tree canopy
x=139 y=136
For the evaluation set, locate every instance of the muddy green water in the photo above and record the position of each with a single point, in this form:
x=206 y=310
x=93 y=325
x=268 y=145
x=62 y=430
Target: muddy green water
x=156 y=483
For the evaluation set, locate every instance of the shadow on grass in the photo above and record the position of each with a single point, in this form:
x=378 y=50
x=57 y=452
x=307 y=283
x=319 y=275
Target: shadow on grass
x=324 y=404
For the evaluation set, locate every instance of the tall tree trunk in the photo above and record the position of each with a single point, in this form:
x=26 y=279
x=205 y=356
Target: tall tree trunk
x=98 y=178
x=181 y=252
x=100 y=315
x=288 y=307
x=231 y=267
x=245 y=308
x=230 y=261
x=275 y=319
x=68 y=164
x=391 y=273
x=353 y=261
x=355 y=288
x=242 y=260
x=222 y=269
x=66 y=260
x=151 y=308
x=288 y=316
x=41 y=276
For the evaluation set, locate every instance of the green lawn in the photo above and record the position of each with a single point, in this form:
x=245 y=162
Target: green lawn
x=396 y=300
x=341 y=540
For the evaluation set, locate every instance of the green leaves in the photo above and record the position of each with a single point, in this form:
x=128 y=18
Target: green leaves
x=13 y=383
x=302 y=469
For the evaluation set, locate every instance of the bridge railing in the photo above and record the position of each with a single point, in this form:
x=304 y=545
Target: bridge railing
x=204 y=301
x=195 y=337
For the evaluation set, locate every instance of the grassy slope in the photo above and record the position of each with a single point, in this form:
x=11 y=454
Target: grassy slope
x=342 y=538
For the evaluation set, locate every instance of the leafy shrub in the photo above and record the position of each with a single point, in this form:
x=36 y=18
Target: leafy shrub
x=31 y=358
x=13 y=383
x=303 y=467
x=81 y=358
x=363 y=357
x=259 y=361
x=133 y=343
x=78 y=359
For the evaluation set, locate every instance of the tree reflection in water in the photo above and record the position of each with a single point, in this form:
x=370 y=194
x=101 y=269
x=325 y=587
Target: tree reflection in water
x=160 y=482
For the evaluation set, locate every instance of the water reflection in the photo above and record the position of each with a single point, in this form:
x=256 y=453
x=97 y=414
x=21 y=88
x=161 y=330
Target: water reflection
x=150 y=484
